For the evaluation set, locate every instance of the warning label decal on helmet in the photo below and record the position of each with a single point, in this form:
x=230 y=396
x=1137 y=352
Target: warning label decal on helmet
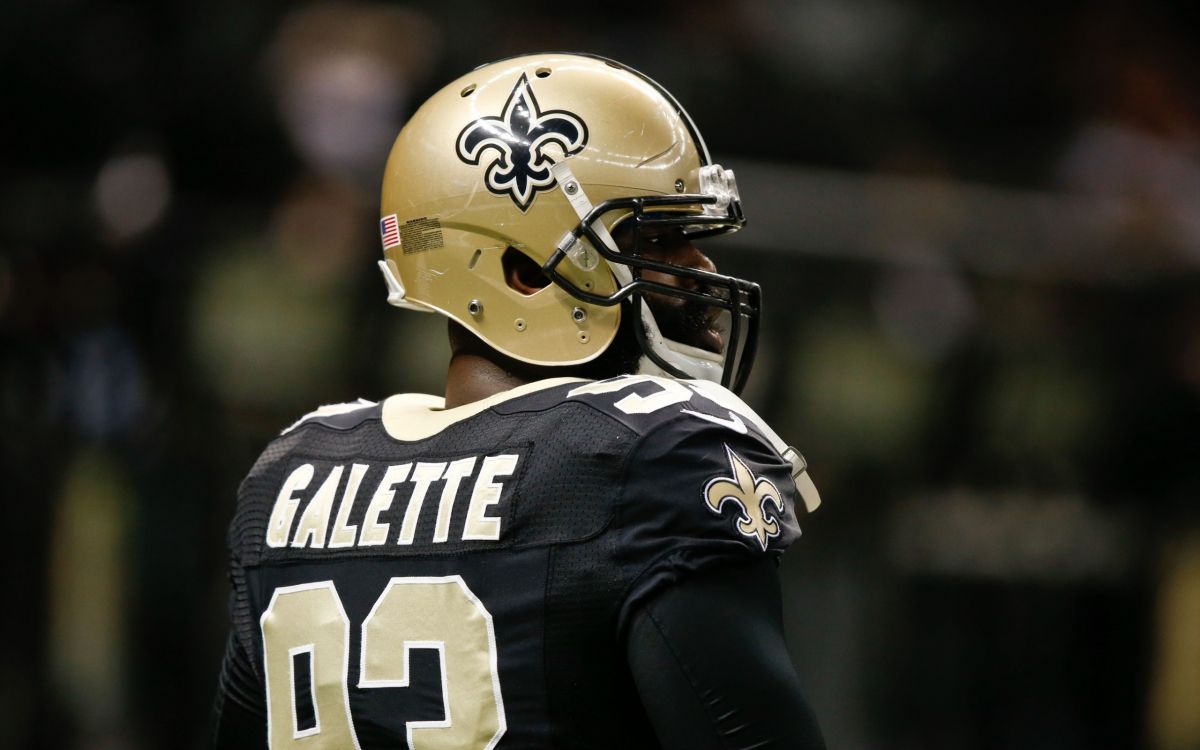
x=517 y=140
x=419 y=235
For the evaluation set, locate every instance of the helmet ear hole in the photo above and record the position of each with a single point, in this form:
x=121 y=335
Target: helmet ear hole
x=522 y=274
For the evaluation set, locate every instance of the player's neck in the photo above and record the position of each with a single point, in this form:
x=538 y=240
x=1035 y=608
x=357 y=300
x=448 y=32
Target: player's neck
x=472 y=377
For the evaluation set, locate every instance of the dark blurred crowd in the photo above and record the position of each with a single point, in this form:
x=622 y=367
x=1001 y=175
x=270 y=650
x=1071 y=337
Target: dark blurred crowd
x=978 y=229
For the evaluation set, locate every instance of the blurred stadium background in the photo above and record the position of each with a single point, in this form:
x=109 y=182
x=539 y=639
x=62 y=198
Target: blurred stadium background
x=978 y=227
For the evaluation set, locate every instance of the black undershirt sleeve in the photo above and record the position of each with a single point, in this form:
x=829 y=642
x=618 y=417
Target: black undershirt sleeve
x=711 y=666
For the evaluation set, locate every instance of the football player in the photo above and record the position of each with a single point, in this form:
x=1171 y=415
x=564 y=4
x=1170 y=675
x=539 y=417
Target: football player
x=577 y=545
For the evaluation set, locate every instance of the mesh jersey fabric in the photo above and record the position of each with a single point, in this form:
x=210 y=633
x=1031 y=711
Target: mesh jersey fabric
x=600 y=509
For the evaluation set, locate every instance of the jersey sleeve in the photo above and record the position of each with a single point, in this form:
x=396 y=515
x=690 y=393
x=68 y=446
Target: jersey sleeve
x=238 y=718
x=698 y=495
x=239 y=712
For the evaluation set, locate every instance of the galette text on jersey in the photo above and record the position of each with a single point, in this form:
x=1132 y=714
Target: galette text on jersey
x=358 y=514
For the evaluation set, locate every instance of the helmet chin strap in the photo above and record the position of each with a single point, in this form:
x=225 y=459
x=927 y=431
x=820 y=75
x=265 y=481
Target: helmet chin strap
x=689 y=360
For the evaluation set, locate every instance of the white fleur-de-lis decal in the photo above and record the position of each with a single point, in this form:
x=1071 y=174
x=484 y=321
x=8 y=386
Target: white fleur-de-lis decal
x=517 y=138
x=750 y=495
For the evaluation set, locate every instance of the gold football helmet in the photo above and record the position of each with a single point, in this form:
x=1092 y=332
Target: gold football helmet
x=547 y=154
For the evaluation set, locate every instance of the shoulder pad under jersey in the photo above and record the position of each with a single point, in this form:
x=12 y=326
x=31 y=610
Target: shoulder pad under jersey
x=647 y=403
x=332 y=416
x=337 y=416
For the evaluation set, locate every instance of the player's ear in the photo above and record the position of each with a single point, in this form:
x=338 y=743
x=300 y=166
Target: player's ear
x=521 y=273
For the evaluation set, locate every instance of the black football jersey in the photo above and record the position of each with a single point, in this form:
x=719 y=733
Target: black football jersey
x=464 y=578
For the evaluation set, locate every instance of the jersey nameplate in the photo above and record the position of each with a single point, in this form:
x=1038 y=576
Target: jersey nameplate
x=324 y=505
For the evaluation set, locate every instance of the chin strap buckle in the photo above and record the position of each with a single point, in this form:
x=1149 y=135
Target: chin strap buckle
x=718 y=182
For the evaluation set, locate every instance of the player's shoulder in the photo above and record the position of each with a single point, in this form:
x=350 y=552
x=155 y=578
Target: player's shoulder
x=326 y=419
x=667 y=408
x=694 y=417
x=643 y=405
x=707 y=482
x=345 y=416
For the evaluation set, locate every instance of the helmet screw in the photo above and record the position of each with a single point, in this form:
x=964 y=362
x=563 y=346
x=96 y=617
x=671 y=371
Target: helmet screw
x=679 y=186
x=572 y=188
x=475 y=307
x=520 y=324
x=579 y=315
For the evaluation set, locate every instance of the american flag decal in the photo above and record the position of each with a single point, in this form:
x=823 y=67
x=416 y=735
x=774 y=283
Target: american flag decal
x=389 y=231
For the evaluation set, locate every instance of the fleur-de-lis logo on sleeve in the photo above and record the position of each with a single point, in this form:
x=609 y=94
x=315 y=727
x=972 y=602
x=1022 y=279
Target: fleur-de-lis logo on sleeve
x=517 y=139
x=750 y=495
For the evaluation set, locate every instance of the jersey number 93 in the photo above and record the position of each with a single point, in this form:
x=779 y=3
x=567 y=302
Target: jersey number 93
x=306 y=631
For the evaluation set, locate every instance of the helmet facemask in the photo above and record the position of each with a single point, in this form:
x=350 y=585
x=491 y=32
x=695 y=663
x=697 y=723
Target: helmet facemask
x=696 y=300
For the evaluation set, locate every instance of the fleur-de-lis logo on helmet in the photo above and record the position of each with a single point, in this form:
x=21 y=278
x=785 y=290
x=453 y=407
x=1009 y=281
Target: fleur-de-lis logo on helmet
x=751 y=495
x=518 y=137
